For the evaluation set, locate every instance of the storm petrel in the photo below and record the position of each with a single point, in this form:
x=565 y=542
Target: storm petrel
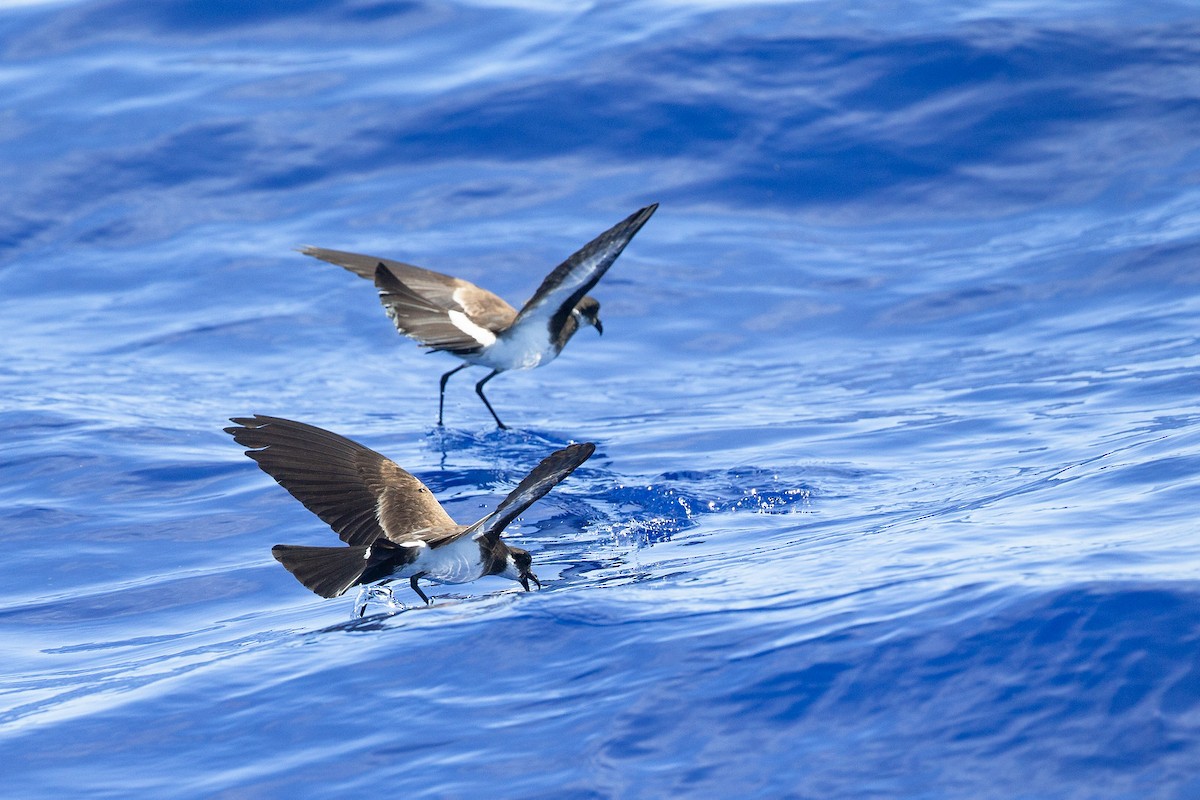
x=391 y=522
x=450 y=314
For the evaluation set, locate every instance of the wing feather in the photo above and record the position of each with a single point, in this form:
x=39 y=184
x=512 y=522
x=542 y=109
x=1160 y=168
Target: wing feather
x=340 y=480
x=575 y=277
x=544 y=477
x=428 y=317
x=364 y=267
x=419 y=300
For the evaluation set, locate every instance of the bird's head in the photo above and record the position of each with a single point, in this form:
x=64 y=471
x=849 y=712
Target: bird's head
x=519 y=567
x=587 y=311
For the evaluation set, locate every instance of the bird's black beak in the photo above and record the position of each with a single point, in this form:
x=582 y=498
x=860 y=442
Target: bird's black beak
x=527 y=577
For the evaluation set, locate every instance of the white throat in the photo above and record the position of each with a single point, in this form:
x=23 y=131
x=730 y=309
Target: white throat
x=511 y=571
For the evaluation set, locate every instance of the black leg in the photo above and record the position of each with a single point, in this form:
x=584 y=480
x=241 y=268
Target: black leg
x=479 y=391
x=442 y=390
x=413 y=583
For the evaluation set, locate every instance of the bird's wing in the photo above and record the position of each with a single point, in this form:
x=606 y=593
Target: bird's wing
x=364 y=266
x=459 y=318
x=544 y=477
x=435 y=290
x=575 y=277
x=434 y=538
x=356 y=491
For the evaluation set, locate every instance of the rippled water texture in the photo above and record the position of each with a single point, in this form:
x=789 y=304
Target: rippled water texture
x=898 y=447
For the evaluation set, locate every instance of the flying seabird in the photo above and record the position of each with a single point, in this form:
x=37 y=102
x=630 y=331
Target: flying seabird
x=455 y=316
x=391 y=522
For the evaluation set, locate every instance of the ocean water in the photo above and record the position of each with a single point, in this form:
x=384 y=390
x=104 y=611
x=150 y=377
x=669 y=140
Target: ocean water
x=898 y=442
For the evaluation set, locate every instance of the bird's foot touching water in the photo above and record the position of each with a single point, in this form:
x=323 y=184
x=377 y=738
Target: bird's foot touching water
x=380 y=593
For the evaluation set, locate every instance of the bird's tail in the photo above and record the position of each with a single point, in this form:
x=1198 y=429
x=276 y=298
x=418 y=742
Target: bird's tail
x=328 y=571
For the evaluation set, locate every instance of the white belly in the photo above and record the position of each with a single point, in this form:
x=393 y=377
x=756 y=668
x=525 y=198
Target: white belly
x=457 y=562
x=524 y=347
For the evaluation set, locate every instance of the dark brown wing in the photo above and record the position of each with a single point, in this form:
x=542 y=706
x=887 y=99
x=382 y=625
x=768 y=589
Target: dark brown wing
x=575 y=277
x=356 y=491
x=364 y=266
x=420 y=301
x=442 y=291
x=544 y=477
x=462 y=320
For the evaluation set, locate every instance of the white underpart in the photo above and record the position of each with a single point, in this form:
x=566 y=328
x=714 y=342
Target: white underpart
x=476 y=332
x=457 y=562
x=511 y=571
x=522 y=347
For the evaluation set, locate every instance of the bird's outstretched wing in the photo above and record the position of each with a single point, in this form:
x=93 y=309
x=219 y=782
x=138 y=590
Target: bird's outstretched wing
x=544 y=477
x=359 y=493
x=576 y=276
x=440 y=311
x=364 y=267
x=460 y=322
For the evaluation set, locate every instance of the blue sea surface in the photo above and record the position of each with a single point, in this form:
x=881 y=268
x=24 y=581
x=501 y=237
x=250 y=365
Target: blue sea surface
x=897 y=406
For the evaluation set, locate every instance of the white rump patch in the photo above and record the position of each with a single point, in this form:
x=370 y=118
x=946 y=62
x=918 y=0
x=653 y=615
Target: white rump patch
x=476 y=332
x=413 y=543
x=367 y=555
